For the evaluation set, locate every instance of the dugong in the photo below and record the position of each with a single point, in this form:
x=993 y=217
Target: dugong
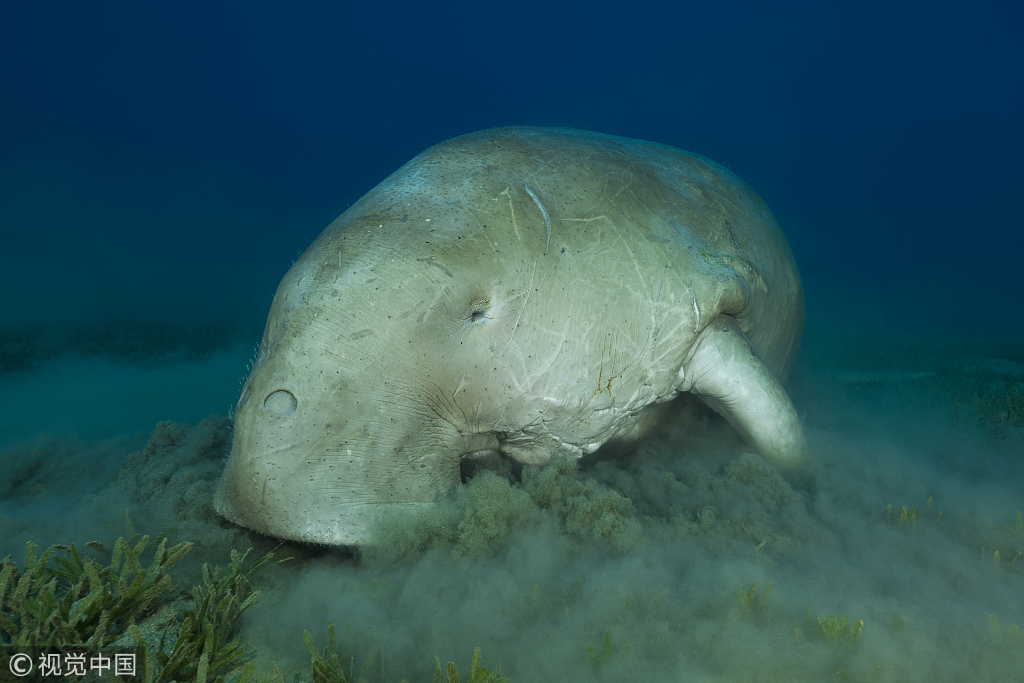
x=522 y=291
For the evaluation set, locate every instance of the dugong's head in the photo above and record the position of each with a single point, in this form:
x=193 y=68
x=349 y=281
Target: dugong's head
x=360 y=399
x=373 y=375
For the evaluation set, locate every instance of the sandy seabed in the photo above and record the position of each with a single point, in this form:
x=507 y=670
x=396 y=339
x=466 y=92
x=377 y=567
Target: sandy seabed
x=896 y=556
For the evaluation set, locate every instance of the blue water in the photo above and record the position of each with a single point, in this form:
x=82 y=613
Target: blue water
x=164 y=165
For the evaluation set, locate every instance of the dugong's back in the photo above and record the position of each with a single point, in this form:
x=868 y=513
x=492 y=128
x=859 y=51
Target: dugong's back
x=706 y=221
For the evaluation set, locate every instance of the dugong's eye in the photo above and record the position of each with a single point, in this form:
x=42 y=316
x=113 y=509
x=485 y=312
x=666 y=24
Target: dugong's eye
x=479 y=310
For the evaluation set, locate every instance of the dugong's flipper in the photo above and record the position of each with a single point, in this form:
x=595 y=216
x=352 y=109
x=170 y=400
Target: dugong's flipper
x=724 y=371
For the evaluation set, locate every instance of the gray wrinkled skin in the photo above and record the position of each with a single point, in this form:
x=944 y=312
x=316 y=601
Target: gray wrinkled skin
x=517 y=290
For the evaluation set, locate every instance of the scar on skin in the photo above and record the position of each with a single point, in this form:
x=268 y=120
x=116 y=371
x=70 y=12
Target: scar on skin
x=696 y=311
x=511 y=209
x=587 y=220
x=544 y=212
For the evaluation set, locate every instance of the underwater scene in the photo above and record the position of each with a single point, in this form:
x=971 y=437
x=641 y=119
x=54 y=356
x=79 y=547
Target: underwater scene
x=162 y=168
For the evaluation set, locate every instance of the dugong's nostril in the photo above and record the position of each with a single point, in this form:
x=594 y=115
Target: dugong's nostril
x=280 y=402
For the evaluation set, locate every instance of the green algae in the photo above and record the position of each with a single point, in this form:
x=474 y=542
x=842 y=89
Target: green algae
x=327 y=667
x=490 y=509
x=80 y=601
x=63 y=599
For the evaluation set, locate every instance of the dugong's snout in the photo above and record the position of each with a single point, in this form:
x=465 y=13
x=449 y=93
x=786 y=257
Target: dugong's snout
x=256 y=489
x=256 y=492
x=298 y=472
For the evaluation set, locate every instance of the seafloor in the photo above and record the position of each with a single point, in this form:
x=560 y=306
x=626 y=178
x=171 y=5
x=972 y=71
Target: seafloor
x=895 y=556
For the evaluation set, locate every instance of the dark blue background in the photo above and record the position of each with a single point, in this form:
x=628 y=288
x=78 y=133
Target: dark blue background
x=168 y=161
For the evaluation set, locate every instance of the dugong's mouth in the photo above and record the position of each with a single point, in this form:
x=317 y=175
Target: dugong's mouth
x=266 y=503
x=340 y=524
x=224 y=505
x=346 y=525
x=322 y=491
